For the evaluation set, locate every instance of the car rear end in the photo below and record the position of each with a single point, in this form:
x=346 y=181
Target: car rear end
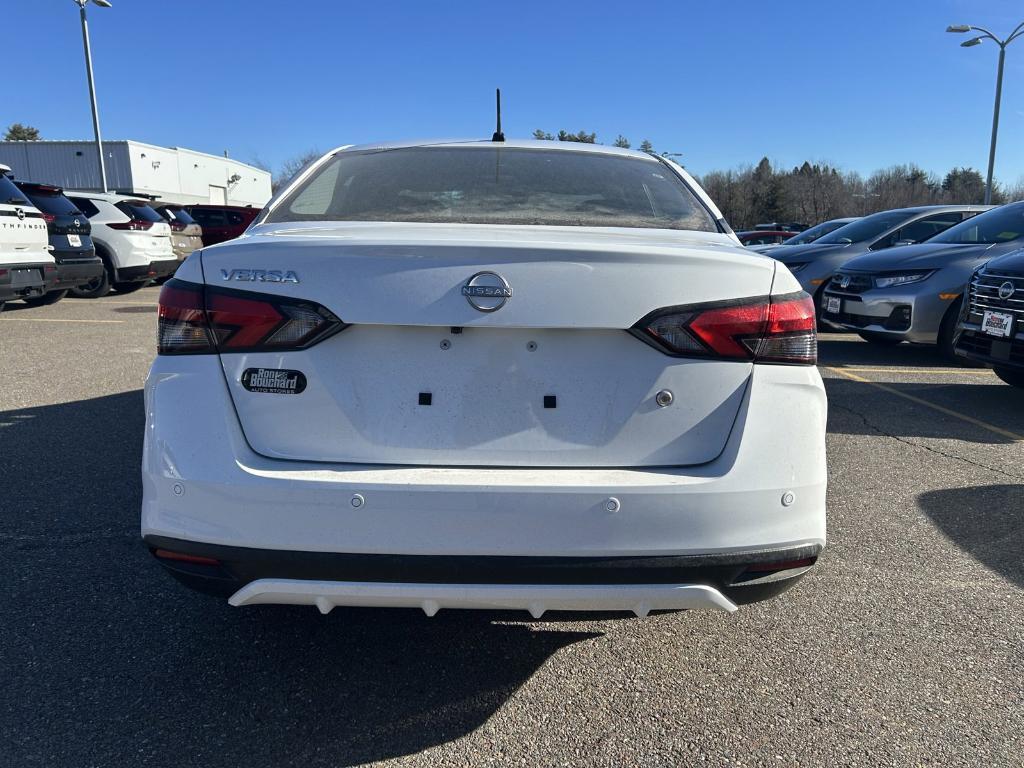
x=69 y=235
x=147 y=237
x=393 y=396
x=186 y=234
x=27 y=270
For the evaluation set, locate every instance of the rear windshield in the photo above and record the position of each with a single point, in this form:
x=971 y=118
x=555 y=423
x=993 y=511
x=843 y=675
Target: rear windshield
x=51 y=202
x=139 y=211
x=180 y=215
x=496 y=185
x=10 y=193
x=867 y=228
x=1000 y=225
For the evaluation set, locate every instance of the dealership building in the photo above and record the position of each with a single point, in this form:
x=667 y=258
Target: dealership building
x=173 y=174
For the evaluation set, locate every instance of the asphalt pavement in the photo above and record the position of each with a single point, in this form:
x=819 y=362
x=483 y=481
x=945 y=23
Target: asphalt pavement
x=904 y=647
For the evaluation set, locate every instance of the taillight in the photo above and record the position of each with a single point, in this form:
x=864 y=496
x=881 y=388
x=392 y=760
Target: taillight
x=49 y=218
x=177 y=226
x=132 y=225
x=196 y=319
x=775 y=329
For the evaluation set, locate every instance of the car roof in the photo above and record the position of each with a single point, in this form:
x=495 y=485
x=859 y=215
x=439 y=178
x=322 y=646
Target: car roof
x=934 y=209
x=110 y=197
x=561 y=146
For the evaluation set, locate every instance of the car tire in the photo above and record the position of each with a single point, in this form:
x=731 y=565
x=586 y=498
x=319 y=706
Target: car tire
x=1012 y=376
x=130 y=287
x=96 y=288
x=881 y=339
x=947 y=334
x=46 y=299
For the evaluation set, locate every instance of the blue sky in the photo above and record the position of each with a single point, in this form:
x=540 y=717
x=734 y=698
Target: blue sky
x=861 y=84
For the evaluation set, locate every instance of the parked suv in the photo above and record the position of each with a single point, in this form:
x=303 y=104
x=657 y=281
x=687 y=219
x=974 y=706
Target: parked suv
x=69 y=231
x=186 y=234
x=222 y=222
x=27 y=270
x=815 y=263
x=914 y=292
x=388 y=394
x=131 y=238
x=991 y=327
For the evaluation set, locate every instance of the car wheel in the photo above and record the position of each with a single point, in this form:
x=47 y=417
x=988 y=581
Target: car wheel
x=129 y=287
x=94 y=289
x=46 y=299
x=1012 y=376
x=947 y=333
x=880 y=339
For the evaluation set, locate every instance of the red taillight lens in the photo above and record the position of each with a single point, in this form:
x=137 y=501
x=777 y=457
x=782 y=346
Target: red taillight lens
x=134 y=225
x=177 y=226
x=182 y=327
x=776 y=329
x=49 y=218
x=194 y=319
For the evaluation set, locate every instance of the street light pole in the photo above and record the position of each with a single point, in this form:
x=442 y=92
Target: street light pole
x=961 y=28
x=92 y=86
x=995 y=126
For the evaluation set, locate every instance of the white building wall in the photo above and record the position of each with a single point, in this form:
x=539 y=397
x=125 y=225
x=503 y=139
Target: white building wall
x=173 y=174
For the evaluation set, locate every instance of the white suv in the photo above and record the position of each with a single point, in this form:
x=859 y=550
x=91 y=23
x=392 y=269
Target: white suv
x=27 y=269
x=132 y=239
x=525 y=375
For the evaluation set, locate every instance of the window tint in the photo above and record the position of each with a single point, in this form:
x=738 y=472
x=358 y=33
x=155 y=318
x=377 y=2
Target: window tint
x=10 y=193
x=51 y=202
x=140 y=211
x=490 y=184
x=867 y=228
x=1000 y=225
x=85 y=205
x=235 y=218
x=921 y=230
x=812 y=234
x=209 y=218
x=176 y=214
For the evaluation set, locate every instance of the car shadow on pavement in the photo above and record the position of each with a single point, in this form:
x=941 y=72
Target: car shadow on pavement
x=858 y=408
x=852 y=350
x=984 y=521
x=100 y=646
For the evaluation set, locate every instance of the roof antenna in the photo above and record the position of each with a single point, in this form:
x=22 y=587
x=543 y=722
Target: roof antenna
x=498 y=135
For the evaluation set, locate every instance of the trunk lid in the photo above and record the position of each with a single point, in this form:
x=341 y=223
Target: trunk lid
x=551 y=378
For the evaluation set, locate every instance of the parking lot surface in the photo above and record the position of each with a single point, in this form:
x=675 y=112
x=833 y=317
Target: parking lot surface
x=905 y=646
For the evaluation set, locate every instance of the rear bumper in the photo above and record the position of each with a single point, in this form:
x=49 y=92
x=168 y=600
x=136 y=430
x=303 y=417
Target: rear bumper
x=73 y=270
x=25 y=281
x=327 y=579
x=154 y=270
x=203 y=486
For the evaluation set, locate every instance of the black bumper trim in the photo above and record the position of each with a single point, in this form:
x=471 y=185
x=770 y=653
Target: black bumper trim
x=151 y=271
x=242 y=565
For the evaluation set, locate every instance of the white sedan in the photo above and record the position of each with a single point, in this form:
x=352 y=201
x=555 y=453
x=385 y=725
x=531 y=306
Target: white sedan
x=502 y=375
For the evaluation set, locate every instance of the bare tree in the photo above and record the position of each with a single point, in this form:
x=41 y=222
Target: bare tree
x=293 y=166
